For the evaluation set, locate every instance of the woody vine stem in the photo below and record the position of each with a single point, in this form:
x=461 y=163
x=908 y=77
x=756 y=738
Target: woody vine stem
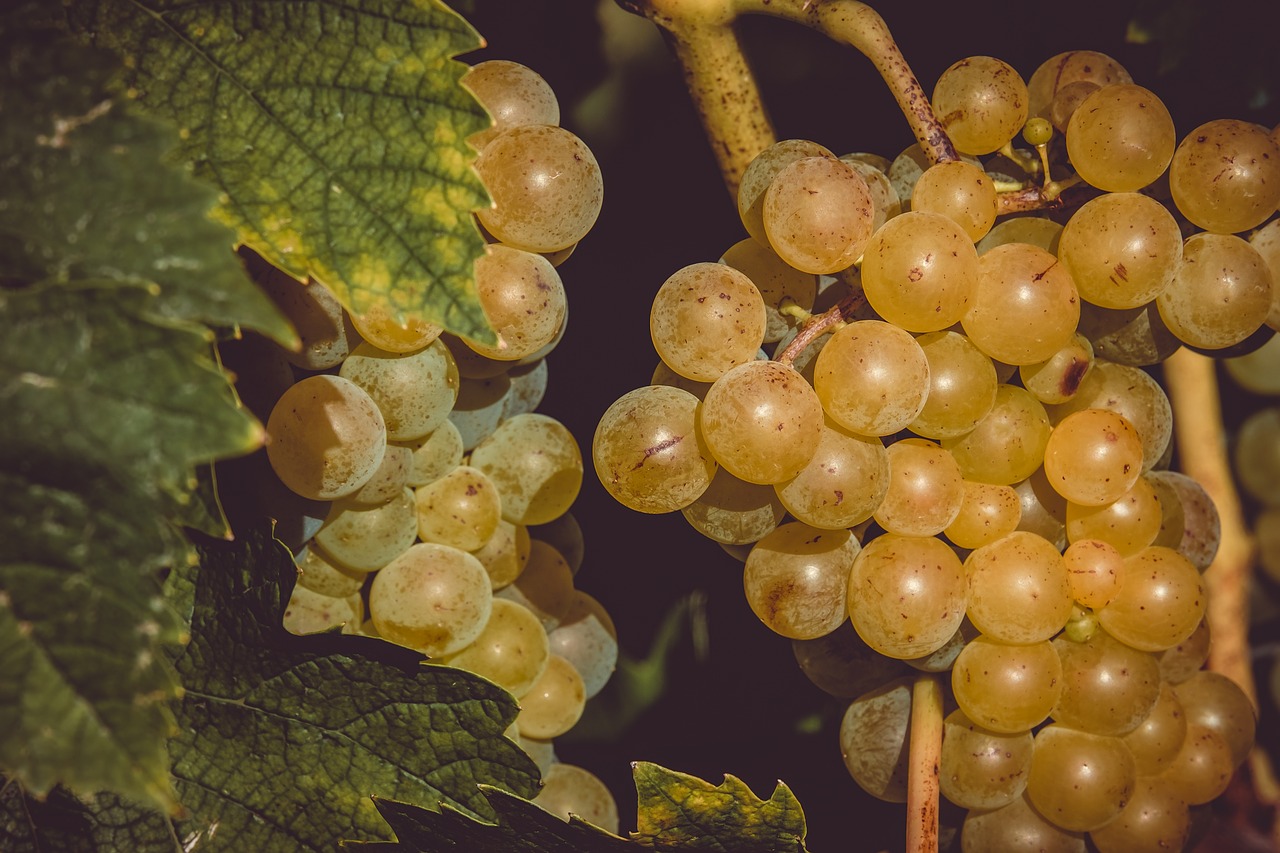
x=726 y=97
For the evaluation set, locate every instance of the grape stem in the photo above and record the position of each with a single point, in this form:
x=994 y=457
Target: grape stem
x=820 y=324
x=924 y=760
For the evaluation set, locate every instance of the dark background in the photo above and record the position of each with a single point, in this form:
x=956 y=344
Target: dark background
x=744 y=707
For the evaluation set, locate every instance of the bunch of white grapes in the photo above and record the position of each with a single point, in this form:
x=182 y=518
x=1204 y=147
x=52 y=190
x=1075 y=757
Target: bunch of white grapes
x=440 y=498
x=964 y=474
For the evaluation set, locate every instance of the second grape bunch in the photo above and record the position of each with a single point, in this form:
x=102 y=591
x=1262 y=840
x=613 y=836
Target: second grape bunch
x=925 y=427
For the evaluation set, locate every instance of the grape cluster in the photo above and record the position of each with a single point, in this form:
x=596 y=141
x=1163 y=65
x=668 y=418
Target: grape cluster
x=436 y=499
x=926 y=429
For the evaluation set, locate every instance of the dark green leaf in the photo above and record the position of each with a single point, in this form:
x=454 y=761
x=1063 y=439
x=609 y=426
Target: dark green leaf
x=336 y=132
x=83 y=681
x=63 y=823
x=86 y=374
x=83 y=193
x=679 y=811
x=521 y=827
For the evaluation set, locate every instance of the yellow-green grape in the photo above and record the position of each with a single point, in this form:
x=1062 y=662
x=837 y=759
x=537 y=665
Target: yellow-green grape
x=461 y=509
x=1044 y=511
x=414 y=392
x=1067 y=101
x=907 y=168
x=565 y=535
x=435 y=455
x=1057 y=379
x=1093 y=571
x=1093 y=456
x=324 y=329
x=925 y=489
x=962 y=386
x=554 y=703
x=311 y=612
x=818 y=214
x=546 y=187
x=1018 y=589
x=961 y=192
x=1267 y=242
x=432 y=598
x=1203 y=767
x=1181 y=661
x=1006 y=688
x=664 y=375
x=735 y=512
x=707 y=319
x=1160 y=602
x=471 y=364
x=1156 y=740
x=1129 y=392
x=528 y=387
x=1037 y=131
x=872 y=378
x=1108 y=688
x=988 y=512
x=1016 y=826
x=534 y=461
x=325 y=437
x=388 y=481
x=1130 y=522
x=1121 y=138
x=1033 y=230
x=906 y=595
x=873 y=740
x=366 y=539
x=649 y=452
x=920 y=271
x=506 y=553
x=796 y=579
x=1122 y=249
x=545 y=586
x=982 y=103
x=1068 y=68
x=776 y=281
x=842 y=665
x=543 y=752
x=1133 y=336
x=514 y=95
x=844 y=482
x=1008 y=444
x=760 y=173
x=1220 y=293
x=762 y=421
x=1225 y=176
x=1025 y=306
x=380 y=329
x=587 y=638
x=570 y=790
x=1257 y=455
x=320 y=575
x=1153 y=820
x=512 y=650
x=1079 y=781
x=523 y=298
x=1213 y=700
x=479 y=408
x=1190 y=523
x=884 y=197
x=979 y=768
x=1259 y=371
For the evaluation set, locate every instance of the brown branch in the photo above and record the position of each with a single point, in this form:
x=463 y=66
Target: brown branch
x=924 y=760
x=817 y=326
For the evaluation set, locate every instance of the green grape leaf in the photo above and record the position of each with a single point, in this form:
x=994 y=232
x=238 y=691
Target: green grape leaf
x=64 y=823
x=678 y=811
x=336 y=133
x=88 y=372
x=284 y=740
x=83 y=193
x=83 y=678
x=521 y=827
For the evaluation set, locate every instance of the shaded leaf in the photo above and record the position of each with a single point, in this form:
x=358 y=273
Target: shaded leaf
x=83 y=193
x=335 y=131
x=86 y=374
x=83 y=681
x=521 y=827
x=63 y=823
x=679 y=811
